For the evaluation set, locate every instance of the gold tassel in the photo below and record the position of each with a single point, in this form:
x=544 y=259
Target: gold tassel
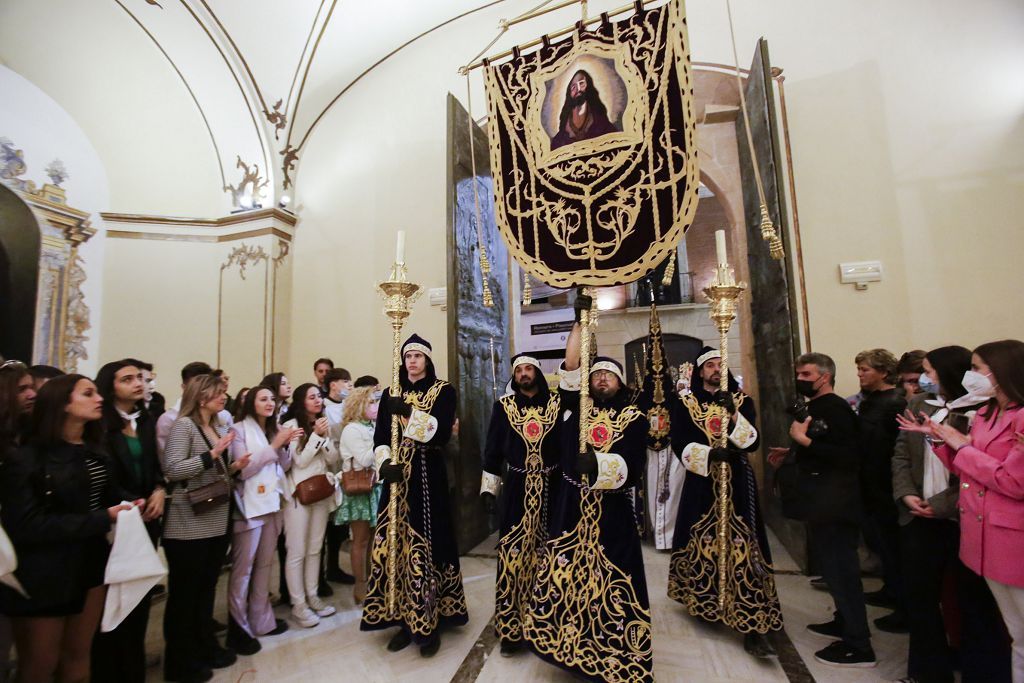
x=771 y=235
x=670 y=270
x=527 y=291
x=485 y=272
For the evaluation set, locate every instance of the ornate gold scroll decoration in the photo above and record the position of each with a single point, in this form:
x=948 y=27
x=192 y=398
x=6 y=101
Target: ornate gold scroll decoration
x=750 y=603
x=519 y=549
x=585 y=613
x=608 y=209
x=425 y=592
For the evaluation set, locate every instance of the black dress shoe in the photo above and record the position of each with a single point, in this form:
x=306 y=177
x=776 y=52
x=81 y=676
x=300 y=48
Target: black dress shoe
x=222 y=658
x=399 y=641
x=758 y=645
x=324 y=590
x=880 y=598
x=430 y=648
x=893 y=623
x=218 y=627
x=340 y=576
x=509 y=647
x=240 y=641
x=194 y=676
x=280 y=626
x=830 y=629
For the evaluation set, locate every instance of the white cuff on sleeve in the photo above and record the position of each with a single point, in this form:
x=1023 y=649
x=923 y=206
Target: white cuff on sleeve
x=569 y=380
x=611 y=471
x=422 y=426
x=380 y=454
x=490 y=483
x=695 y=458
x=743 y=434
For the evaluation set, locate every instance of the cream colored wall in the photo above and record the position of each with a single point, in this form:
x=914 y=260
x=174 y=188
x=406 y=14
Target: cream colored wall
x=905 y=120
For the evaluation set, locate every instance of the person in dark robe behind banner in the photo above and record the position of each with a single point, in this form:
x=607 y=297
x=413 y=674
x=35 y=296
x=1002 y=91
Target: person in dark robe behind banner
x=427 y=574
x=590 y=612
x=523 y=434
x=583 y=114
x=751 y=604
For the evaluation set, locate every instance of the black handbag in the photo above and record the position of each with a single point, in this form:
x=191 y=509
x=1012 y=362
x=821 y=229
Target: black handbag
x=212 y=495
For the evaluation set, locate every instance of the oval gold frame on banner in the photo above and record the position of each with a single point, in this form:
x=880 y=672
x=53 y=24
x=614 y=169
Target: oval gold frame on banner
x=566 y=201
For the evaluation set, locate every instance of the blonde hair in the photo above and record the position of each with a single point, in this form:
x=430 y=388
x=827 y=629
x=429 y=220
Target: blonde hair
x=355 y=405
x=200 y=389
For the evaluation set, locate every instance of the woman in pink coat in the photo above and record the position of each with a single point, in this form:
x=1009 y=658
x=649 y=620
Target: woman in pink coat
x=989 y=461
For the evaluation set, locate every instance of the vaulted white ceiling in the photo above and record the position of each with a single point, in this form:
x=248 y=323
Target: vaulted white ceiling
x=211 y=88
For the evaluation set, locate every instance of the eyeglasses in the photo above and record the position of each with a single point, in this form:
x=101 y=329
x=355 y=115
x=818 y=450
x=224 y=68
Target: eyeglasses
x=13 y=365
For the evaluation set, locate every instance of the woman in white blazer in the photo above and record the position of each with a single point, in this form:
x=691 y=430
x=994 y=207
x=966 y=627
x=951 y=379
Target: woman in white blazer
x=257 y=519
x=312 y=455
x=359 y=511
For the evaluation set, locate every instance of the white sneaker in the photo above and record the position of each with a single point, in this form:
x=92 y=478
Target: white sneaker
x=321 y=608
x=304 y=615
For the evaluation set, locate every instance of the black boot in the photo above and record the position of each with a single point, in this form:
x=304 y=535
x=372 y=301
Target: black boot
x=510 y=647
x=430 y=648
x=399 y=641
x=240 y=641
x=332 y=571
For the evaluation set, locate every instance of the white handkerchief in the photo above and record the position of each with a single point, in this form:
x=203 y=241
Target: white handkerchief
x=132 y=569
x=8 y=563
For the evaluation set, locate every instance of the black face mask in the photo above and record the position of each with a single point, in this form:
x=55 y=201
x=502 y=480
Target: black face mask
x=805 y=387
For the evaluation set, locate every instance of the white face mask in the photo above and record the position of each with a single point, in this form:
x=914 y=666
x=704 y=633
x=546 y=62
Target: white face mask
x=978 y=384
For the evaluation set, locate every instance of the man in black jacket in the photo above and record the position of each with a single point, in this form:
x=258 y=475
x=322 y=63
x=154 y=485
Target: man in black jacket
x=825 y=444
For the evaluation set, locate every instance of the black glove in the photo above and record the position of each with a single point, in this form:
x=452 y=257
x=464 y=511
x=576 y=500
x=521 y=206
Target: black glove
x=583 y=303
x=391 y=473
x=725 y=400
x=490 y=503
x=398 y=406
x=721 y=455
x=586 y=463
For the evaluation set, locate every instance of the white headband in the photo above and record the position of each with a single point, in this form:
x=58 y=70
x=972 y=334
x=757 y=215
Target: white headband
x=416 y=347
x=525 y=360
x=609 y=366
x=704 y=358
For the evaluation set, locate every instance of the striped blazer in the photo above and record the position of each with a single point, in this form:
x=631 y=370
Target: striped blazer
x=187 y=466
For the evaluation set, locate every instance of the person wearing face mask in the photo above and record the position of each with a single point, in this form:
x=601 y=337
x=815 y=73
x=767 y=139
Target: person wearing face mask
x=755 y=611
x=989 y=460
x=313 y=455
x=826 y=448
x=359 y=511
x=927 y=495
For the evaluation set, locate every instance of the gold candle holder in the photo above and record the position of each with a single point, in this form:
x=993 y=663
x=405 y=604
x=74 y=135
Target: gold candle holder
x=399 y=295
x=723 y=292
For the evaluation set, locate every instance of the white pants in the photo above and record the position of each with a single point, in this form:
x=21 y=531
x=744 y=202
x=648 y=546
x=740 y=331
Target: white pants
x=304 y=527
x=665 y=476
x=1011 y=603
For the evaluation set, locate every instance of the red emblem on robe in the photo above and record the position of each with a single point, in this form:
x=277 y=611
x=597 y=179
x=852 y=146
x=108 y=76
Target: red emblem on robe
x=599 y=435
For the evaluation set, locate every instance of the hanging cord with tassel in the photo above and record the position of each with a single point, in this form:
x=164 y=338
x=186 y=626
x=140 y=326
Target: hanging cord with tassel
x=670 y=270
x=527 y=291
x=485 y=264
x=768 y=231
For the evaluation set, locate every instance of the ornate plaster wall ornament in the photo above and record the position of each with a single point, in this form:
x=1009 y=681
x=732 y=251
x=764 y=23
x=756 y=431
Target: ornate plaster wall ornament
x=277 y=117
x=248 y=190
x=56 y=172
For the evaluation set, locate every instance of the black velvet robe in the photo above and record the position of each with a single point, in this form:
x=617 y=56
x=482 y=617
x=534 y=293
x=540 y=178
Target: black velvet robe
x=590 y=612
x=523 y=433
x=429 y=579
x=752 y=604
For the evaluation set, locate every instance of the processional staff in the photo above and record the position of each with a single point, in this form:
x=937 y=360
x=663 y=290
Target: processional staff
x=399 y=294
x=724 y=293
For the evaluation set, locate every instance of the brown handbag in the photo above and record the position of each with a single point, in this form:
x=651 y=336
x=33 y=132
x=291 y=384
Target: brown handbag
x=357 y=482
x=314 y=489
x=214 y=494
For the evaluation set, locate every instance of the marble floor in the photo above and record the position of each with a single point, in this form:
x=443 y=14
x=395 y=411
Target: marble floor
x=685 y=649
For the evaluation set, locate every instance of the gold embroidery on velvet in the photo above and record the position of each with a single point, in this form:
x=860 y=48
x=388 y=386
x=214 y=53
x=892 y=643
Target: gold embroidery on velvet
x=585 y=613
x=426 y=592
x=751 y=603
x=519 y=548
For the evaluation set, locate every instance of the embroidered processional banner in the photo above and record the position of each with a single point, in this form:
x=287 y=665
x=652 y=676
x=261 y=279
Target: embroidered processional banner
x=593 y=150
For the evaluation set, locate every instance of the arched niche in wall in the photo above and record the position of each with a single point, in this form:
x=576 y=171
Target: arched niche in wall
x=20 y=239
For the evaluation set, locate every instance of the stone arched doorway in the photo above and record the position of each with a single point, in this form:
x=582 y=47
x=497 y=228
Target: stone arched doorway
x=20 y=243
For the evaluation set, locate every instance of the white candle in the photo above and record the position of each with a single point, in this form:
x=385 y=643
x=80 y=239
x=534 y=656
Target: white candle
x=400 y=247
x=720 y=247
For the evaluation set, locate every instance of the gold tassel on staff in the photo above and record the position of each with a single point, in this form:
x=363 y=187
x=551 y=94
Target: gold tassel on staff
x=399 y=294
x=724 y=293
